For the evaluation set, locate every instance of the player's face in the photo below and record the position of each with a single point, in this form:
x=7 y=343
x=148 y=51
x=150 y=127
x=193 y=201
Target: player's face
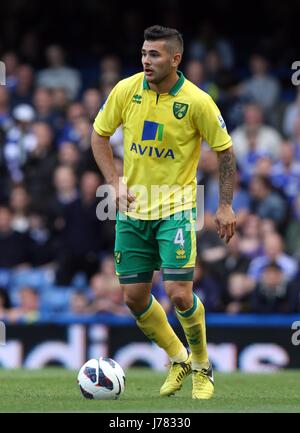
x=158 y=61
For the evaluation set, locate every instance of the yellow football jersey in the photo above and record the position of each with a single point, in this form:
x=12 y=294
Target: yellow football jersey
x=162 y=137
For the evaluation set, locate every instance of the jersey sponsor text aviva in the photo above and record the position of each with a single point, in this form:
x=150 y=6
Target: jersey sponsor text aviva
x=152 y=151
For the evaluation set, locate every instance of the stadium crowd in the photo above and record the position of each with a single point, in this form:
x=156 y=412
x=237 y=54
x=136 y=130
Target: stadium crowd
x=57 y=257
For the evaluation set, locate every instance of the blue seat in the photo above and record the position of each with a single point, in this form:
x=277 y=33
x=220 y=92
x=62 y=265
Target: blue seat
x=37 y=278
x=79 y=281
x=5 y=276
x=56 y=298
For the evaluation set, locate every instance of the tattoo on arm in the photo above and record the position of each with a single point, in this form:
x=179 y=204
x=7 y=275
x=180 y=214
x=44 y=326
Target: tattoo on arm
x=227 y=171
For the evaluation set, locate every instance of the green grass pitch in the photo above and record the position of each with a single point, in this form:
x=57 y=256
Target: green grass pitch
x=56 y=390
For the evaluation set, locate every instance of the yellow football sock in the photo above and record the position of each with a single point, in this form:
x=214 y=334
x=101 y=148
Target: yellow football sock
x=193 y=323
x=153 y=322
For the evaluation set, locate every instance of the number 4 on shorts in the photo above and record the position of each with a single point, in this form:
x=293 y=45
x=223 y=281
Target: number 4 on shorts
x=179 y=238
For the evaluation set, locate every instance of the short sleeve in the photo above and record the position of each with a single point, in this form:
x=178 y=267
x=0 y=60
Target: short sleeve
x=211 y=125
x=110 y=115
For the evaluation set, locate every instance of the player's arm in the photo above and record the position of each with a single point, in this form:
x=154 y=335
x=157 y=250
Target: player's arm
x=225 y=218
x=103 y=155
x=107 y=121
x=212 y=127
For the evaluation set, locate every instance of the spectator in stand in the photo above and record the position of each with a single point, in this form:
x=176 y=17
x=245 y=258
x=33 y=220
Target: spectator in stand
x=60 y=102
x=4 y=304
x=28 y=307
x=30 y=46
x=291 y=115
x=79 y=303
x=293 y=230
x=213 y=64
x=19 y=202
x=207 y=288
x=42 y=247
x=108 y=267
x=250 y=241
x=11 y=61
x=44 y=108
x=285 y=174
x=234 y=261
x=20 y=141
x=207 y=40
x=273 y=252
x=211 y=75
x=23 y=91
x=14 y=246
x=6 y=123
x=41 y=163
x=83 y=131
x=83 y=236
x=69 y=156
x=296 y=139
x=92 y=101
x=194 y=71
x=75 y=112
x=58 y=74
x=212 y=250
x=241 y=201
x=253 y=138
x=237 y=297
x=43 y=105
x=106 y=296
x=261 y=168
x=274 y=293
x=65 y=193
x=5 y=116
x=110 y=74
x=4 y=178
x=266 y=203
x=262 y=88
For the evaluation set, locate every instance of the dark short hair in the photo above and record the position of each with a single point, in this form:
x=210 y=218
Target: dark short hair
x=156 y=33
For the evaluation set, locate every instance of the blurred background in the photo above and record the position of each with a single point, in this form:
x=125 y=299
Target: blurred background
x=56 y=259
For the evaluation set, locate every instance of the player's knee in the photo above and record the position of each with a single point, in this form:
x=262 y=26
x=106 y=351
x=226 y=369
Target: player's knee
x=135 y=304
x=181 y=300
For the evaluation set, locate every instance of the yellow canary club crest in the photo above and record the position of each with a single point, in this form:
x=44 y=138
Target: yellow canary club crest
x=180 y=110
x=180 y=254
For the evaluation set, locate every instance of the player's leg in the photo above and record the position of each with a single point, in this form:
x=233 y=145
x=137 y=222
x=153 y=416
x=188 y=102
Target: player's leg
x=136 y=256
x=151 y=318
x=153 y=322
x=191 y=315
x=177 y=242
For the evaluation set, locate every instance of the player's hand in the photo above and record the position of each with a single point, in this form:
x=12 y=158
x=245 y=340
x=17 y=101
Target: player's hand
x=124 y=198
x=225 y=221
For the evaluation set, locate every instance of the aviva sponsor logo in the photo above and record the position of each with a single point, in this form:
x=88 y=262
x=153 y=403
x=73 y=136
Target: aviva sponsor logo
x=152 y=131
x=152 y=151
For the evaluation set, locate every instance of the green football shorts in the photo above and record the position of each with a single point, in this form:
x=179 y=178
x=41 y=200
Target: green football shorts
x=142 y=246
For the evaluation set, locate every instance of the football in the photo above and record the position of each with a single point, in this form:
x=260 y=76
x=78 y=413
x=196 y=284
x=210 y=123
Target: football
x=101 y=379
